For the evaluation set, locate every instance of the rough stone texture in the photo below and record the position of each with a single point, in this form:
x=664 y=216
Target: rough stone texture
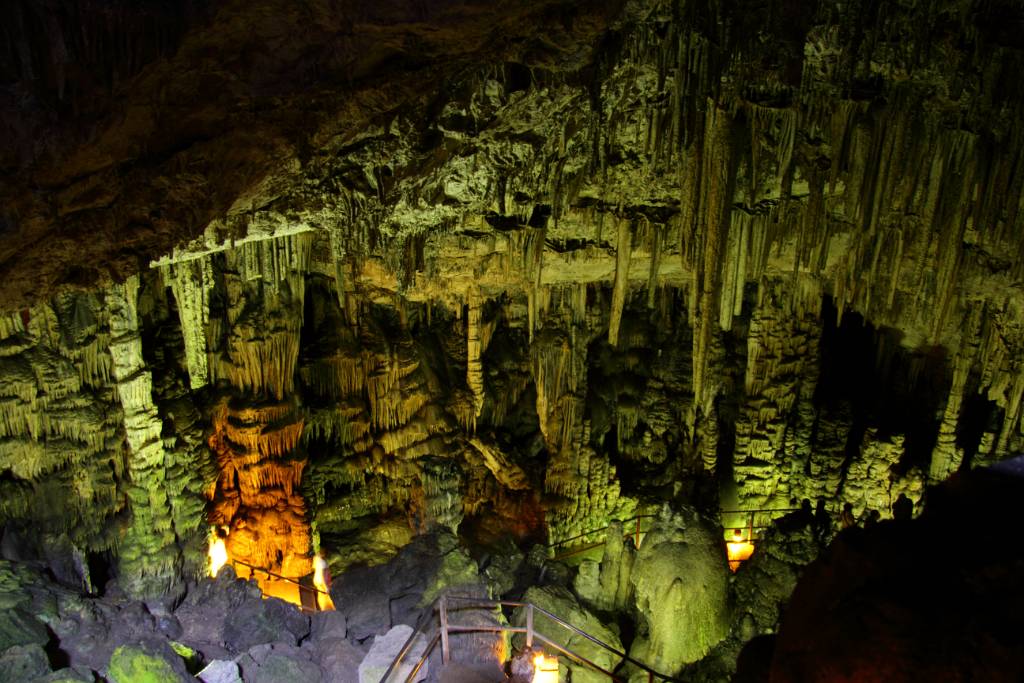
x=19 y=627
x=66 y=675
x=383 y=652
x=643 y=219
x=373 y=599
x=220 y=671
x=562 y=604
x=150 y=662
x=681 y=588
x=607 y=585
x=279 y=662
x=24 y=663
x=340 y=659
x=263 y=621
x=542 y=263
x=328 y=625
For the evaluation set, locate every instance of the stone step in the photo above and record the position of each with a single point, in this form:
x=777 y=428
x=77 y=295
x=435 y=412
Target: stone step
x=455 y=672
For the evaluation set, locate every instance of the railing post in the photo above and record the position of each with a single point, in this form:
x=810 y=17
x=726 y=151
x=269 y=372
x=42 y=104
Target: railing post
x=529 y=625
x=650 y=677
x=444 y=629
x=638 y=533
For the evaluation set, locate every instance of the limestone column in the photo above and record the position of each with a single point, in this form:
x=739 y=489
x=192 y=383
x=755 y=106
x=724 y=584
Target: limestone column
x=150 y=559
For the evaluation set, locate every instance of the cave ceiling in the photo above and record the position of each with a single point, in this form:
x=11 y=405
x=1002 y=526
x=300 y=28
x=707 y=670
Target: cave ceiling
x=549 y=259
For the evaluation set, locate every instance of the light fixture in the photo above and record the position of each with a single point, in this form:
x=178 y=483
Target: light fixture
x=218 y=554
x=545 y=669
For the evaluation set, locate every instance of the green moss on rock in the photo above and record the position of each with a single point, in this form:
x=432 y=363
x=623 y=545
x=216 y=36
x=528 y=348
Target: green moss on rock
x=457 y=568
x=681 y=585
x=139 y=664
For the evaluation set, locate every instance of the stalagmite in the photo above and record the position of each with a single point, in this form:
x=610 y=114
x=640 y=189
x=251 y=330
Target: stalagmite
x=149 y=557
x=402 y=306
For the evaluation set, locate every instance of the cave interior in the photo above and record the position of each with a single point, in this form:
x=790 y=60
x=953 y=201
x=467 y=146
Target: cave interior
x=697 y=324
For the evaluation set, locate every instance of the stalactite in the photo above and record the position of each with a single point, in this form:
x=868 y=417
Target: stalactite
x=652 y=277
x=474 y=348
x=504 y=470
x=620 y=288
x=714 y=189
x=191 y=282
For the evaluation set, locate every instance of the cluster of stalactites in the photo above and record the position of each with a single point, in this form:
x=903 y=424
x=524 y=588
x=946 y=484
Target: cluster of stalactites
x=60 y=422
x=264 y=281
x=257 y=491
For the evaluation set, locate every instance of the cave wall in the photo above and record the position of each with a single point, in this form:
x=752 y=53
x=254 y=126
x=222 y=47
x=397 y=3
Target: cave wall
x=658 y=250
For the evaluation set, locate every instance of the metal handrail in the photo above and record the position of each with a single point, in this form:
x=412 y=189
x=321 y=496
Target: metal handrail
x=637 y=518
x=441 y=604
x=445 y=628
x=564 y=541
x=727 y=512
x=751 y=515
x=420 y=624
x=301 y=585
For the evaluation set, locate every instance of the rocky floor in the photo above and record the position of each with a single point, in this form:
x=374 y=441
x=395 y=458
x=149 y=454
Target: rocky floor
x=222 y=631
x=933 y=598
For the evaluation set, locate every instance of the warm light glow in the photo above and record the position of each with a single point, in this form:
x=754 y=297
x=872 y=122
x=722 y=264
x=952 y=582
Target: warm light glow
x=738 y=552
x=545 y=669
x=218 y=553
x=323 y=599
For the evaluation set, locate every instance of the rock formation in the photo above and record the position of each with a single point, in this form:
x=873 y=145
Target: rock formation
x=335 y=276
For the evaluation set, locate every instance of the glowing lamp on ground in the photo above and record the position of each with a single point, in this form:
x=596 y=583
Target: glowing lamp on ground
x=545 y=669
x=321 y=580
x=218 y=554
x=738 y=549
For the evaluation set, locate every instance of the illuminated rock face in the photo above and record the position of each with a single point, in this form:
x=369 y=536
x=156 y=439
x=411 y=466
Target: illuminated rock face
x=728 y=254
x=680 y=584
x=257 y=430
x=257 y=496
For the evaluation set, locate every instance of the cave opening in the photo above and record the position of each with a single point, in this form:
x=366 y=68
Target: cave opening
x=885 y=385
x=980 y=420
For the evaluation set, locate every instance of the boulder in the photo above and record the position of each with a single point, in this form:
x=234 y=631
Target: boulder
x=203 y=612
x=146 y=662
x=373 y=599
x=328 y=625
x=938 y=598
x=340 y=659
x=67 y=675
x=19 y=627
x=23 y=663
x=502 y=566
x=220 y=671
x=383 y=652
x=680 y=583
x=273 y=662
x=264 y=621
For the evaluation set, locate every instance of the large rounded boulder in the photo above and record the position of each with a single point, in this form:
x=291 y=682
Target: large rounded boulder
x=681 y=589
